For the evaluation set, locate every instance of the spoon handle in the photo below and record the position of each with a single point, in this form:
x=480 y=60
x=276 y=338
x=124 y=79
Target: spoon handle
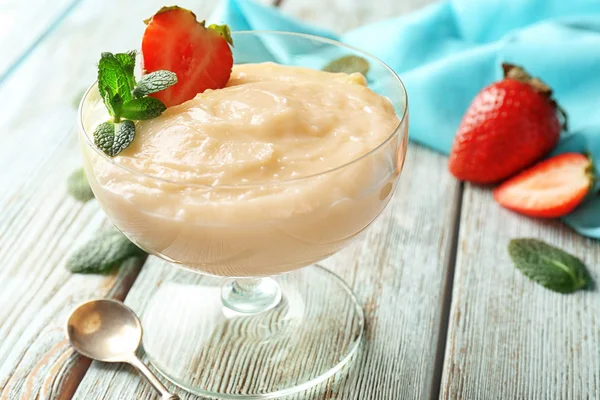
x=152 y=379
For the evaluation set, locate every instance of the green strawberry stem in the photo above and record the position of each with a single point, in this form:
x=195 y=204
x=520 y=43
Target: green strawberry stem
x=590 y=170
x=512 y=71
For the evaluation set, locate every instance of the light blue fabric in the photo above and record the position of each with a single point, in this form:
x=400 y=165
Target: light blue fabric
x=447 y=52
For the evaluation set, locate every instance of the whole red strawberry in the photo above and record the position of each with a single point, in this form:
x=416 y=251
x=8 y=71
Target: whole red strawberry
x=510 y=125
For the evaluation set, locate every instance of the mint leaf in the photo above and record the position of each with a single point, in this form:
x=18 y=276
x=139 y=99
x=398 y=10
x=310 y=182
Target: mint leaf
x=113 y=138
x=104 y=136
x=124 y=134
x=548 y=265
x=117 y=86
x=78 y=186
x=143 y=108
x=154 y=82
x=348 y=65
x=127 y=61
x=104 y=252
x=224 y=31
x=113 y=84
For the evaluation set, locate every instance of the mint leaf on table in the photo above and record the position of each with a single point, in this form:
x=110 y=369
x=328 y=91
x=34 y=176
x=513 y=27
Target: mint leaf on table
x=104 y=252
x=348 y=65
x=549 y=266
x=113 y=138
x=78 y=186
x=154 y=82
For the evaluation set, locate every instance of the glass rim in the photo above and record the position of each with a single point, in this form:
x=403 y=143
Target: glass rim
x=321 y=39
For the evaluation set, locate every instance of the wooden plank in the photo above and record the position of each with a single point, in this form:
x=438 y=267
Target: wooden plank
x=400 y=279
x=39 y=224
x=22 y=27
x=398 y=272
x=508 y=337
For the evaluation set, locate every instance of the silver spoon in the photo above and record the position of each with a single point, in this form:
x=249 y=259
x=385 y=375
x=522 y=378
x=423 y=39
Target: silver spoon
x=107 y=330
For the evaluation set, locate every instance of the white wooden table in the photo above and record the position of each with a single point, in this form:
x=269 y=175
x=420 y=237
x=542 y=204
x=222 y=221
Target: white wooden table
x=447 y=314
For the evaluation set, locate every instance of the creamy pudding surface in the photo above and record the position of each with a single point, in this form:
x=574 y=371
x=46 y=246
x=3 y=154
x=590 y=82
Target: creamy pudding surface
x=232 y=183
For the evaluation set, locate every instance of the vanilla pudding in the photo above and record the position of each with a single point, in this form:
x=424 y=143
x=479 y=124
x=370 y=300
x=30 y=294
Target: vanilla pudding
x=274 y=172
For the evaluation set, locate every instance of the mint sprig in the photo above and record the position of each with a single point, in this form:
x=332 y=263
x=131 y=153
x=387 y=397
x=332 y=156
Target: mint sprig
x=104 y=252
x=549 y=266
x=126 y=100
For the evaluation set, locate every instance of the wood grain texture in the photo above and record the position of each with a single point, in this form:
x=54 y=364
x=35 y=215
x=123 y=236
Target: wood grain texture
x=44 y=367
x=39 y=224
x=22 y=26
x=398 y=272
x=508 y=337
x=39 y=227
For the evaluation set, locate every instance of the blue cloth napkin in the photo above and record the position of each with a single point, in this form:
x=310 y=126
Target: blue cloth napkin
x=447 y=52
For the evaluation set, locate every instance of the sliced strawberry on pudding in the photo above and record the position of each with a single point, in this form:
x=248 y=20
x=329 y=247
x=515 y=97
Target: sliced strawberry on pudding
x=550 y=189
x=200 y=56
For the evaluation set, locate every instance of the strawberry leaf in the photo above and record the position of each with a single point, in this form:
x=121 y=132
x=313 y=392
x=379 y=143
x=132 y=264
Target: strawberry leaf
x=548 y=265
x=224 y=31
x=143 y=108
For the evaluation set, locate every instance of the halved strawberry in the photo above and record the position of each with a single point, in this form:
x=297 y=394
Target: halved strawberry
x=550 y=189
x=201 y=57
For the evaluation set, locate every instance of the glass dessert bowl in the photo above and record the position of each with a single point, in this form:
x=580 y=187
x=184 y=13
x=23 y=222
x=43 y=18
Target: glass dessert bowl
x=247 y=317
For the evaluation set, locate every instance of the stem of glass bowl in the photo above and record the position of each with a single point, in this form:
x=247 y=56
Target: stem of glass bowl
x=251 y=295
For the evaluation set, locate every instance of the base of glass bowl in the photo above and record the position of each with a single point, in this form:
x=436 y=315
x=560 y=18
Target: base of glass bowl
x=214 y=351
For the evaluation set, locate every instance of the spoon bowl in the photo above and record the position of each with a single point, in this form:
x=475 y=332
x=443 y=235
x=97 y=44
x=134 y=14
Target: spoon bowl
x=105 y=330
